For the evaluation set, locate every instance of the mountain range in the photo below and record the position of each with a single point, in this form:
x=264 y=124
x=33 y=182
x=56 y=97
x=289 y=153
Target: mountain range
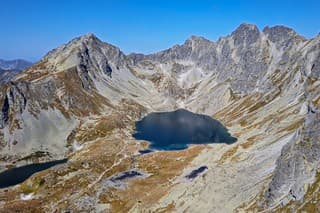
x=82 y=99
x=16 y=64
x=10 y=69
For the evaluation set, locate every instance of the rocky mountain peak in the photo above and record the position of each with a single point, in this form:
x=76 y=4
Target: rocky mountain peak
x=246 y=27
x=85 y=41
x=89 y=36
x=246 y=34
x=196 y=39
x=89 y=40
x=86 y=50
x=283 y=36
x=278 y=31
x=196 y=42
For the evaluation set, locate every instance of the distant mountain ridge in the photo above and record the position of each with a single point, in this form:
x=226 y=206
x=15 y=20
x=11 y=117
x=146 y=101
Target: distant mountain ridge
x=9 y=69
x=8 y=75
x=16 y=64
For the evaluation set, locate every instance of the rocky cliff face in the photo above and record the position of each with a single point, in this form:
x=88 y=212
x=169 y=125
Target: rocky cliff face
x=81 y=101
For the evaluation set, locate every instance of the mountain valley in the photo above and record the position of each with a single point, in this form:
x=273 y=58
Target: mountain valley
x=82 y=99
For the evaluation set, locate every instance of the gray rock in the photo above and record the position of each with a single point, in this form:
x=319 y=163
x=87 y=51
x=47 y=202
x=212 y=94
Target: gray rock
x=246 y=34
x=297 y=164
x=283 y=36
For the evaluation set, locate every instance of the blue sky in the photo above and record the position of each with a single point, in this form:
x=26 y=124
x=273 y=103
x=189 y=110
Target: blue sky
x=30 y=28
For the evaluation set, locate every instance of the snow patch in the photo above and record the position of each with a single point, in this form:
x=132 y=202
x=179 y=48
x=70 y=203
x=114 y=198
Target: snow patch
x=76 y=146
x=303 y=109
x=26 y=196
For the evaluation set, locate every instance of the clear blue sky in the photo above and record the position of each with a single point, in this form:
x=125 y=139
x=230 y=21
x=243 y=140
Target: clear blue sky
x=30 y=28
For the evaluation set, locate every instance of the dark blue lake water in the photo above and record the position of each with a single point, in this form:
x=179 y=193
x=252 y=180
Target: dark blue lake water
x=176 y=130
x=17 y=175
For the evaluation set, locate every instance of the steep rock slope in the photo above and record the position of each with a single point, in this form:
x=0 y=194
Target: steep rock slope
x=82 y=99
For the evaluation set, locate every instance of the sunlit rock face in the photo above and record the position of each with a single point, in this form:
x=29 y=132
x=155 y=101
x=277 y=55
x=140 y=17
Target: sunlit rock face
x=178 y=129
x=81 y=102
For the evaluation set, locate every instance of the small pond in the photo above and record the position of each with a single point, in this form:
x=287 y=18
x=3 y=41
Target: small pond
x=178 y=129
x=17 y=175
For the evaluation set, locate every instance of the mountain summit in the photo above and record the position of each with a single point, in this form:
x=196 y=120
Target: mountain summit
x=81 y=102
